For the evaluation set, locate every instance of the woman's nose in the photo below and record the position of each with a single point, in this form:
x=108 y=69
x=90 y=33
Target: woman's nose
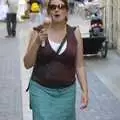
x=56 y=9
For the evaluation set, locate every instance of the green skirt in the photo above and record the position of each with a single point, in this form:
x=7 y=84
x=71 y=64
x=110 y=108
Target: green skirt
x=52 y=104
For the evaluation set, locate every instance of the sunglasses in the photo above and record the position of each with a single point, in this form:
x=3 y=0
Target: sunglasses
x=60 y=6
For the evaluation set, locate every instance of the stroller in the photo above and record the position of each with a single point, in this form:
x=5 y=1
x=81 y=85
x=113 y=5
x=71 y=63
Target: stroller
x=97 y=41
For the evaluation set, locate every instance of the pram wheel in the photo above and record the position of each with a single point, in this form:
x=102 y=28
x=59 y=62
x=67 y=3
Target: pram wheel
x=104 y=49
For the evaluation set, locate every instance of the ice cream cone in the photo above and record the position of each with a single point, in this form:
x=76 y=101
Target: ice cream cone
x=46 y=24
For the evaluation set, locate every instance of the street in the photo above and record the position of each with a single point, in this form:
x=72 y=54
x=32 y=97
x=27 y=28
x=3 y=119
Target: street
x=103 y=78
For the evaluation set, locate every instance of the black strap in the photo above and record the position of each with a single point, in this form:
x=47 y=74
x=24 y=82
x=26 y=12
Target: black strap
x=61 y=45
x=69 y=29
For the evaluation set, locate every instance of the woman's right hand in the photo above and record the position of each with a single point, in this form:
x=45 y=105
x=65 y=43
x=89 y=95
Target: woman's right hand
x=36 y=40
x=41 y=36
x=42 y=31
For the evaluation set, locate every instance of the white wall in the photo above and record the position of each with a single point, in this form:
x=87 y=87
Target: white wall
x=21 y=9
x=3 y=9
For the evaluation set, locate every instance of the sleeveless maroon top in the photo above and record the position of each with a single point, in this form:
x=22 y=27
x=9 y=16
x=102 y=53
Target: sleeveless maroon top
x=67 y=60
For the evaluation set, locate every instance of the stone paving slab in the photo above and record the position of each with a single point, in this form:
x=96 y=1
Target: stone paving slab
x=103 y=105
x=10 y=84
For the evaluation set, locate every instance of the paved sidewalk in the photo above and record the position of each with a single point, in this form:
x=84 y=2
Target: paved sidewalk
x=14 y=80
x=10 y=83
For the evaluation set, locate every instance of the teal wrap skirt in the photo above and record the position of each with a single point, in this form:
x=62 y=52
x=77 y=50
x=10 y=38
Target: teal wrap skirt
x=52 y=104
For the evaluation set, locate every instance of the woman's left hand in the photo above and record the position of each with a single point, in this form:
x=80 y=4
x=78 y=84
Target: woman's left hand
x=84 y=101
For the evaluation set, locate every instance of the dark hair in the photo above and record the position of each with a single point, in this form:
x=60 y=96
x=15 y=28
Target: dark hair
x=64 y=1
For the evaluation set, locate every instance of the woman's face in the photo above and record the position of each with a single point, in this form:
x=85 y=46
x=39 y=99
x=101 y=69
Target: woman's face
x=58 y=10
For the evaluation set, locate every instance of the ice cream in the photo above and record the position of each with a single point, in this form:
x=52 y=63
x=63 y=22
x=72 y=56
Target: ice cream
x=46 y=24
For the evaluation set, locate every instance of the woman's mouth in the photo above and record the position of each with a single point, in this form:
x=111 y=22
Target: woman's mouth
x=57 y=15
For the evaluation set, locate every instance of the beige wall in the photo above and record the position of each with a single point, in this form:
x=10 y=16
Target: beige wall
x=112 y=21
x=118 y=42
x=115 y=22
x=107 y=17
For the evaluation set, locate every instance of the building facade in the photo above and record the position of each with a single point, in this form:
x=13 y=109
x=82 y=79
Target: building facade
x=111 y=17
x=118 y=42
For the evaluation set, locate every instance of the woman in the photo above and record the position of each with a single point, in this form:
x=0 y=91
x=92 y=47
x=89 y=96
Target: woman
x=54 y=99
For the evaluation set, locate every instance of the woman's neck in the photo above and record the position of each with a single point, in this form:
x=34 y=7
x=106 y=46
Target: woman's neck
x=58 y=26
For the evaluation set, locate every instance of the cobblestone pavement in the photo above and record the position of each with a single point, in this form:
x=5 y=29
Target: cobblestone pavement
x=104 y=103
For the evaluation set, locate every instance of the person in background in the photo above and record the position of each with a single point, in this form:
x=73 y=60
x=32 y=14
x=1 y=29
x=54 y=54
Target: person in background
x=52 y=86
x=71 y=6
x=11 y=19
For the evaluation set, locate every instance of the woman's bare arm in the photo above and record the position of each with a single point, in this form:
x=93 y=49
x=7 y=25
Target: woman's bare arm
x=31 y=53
x=80 y=65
